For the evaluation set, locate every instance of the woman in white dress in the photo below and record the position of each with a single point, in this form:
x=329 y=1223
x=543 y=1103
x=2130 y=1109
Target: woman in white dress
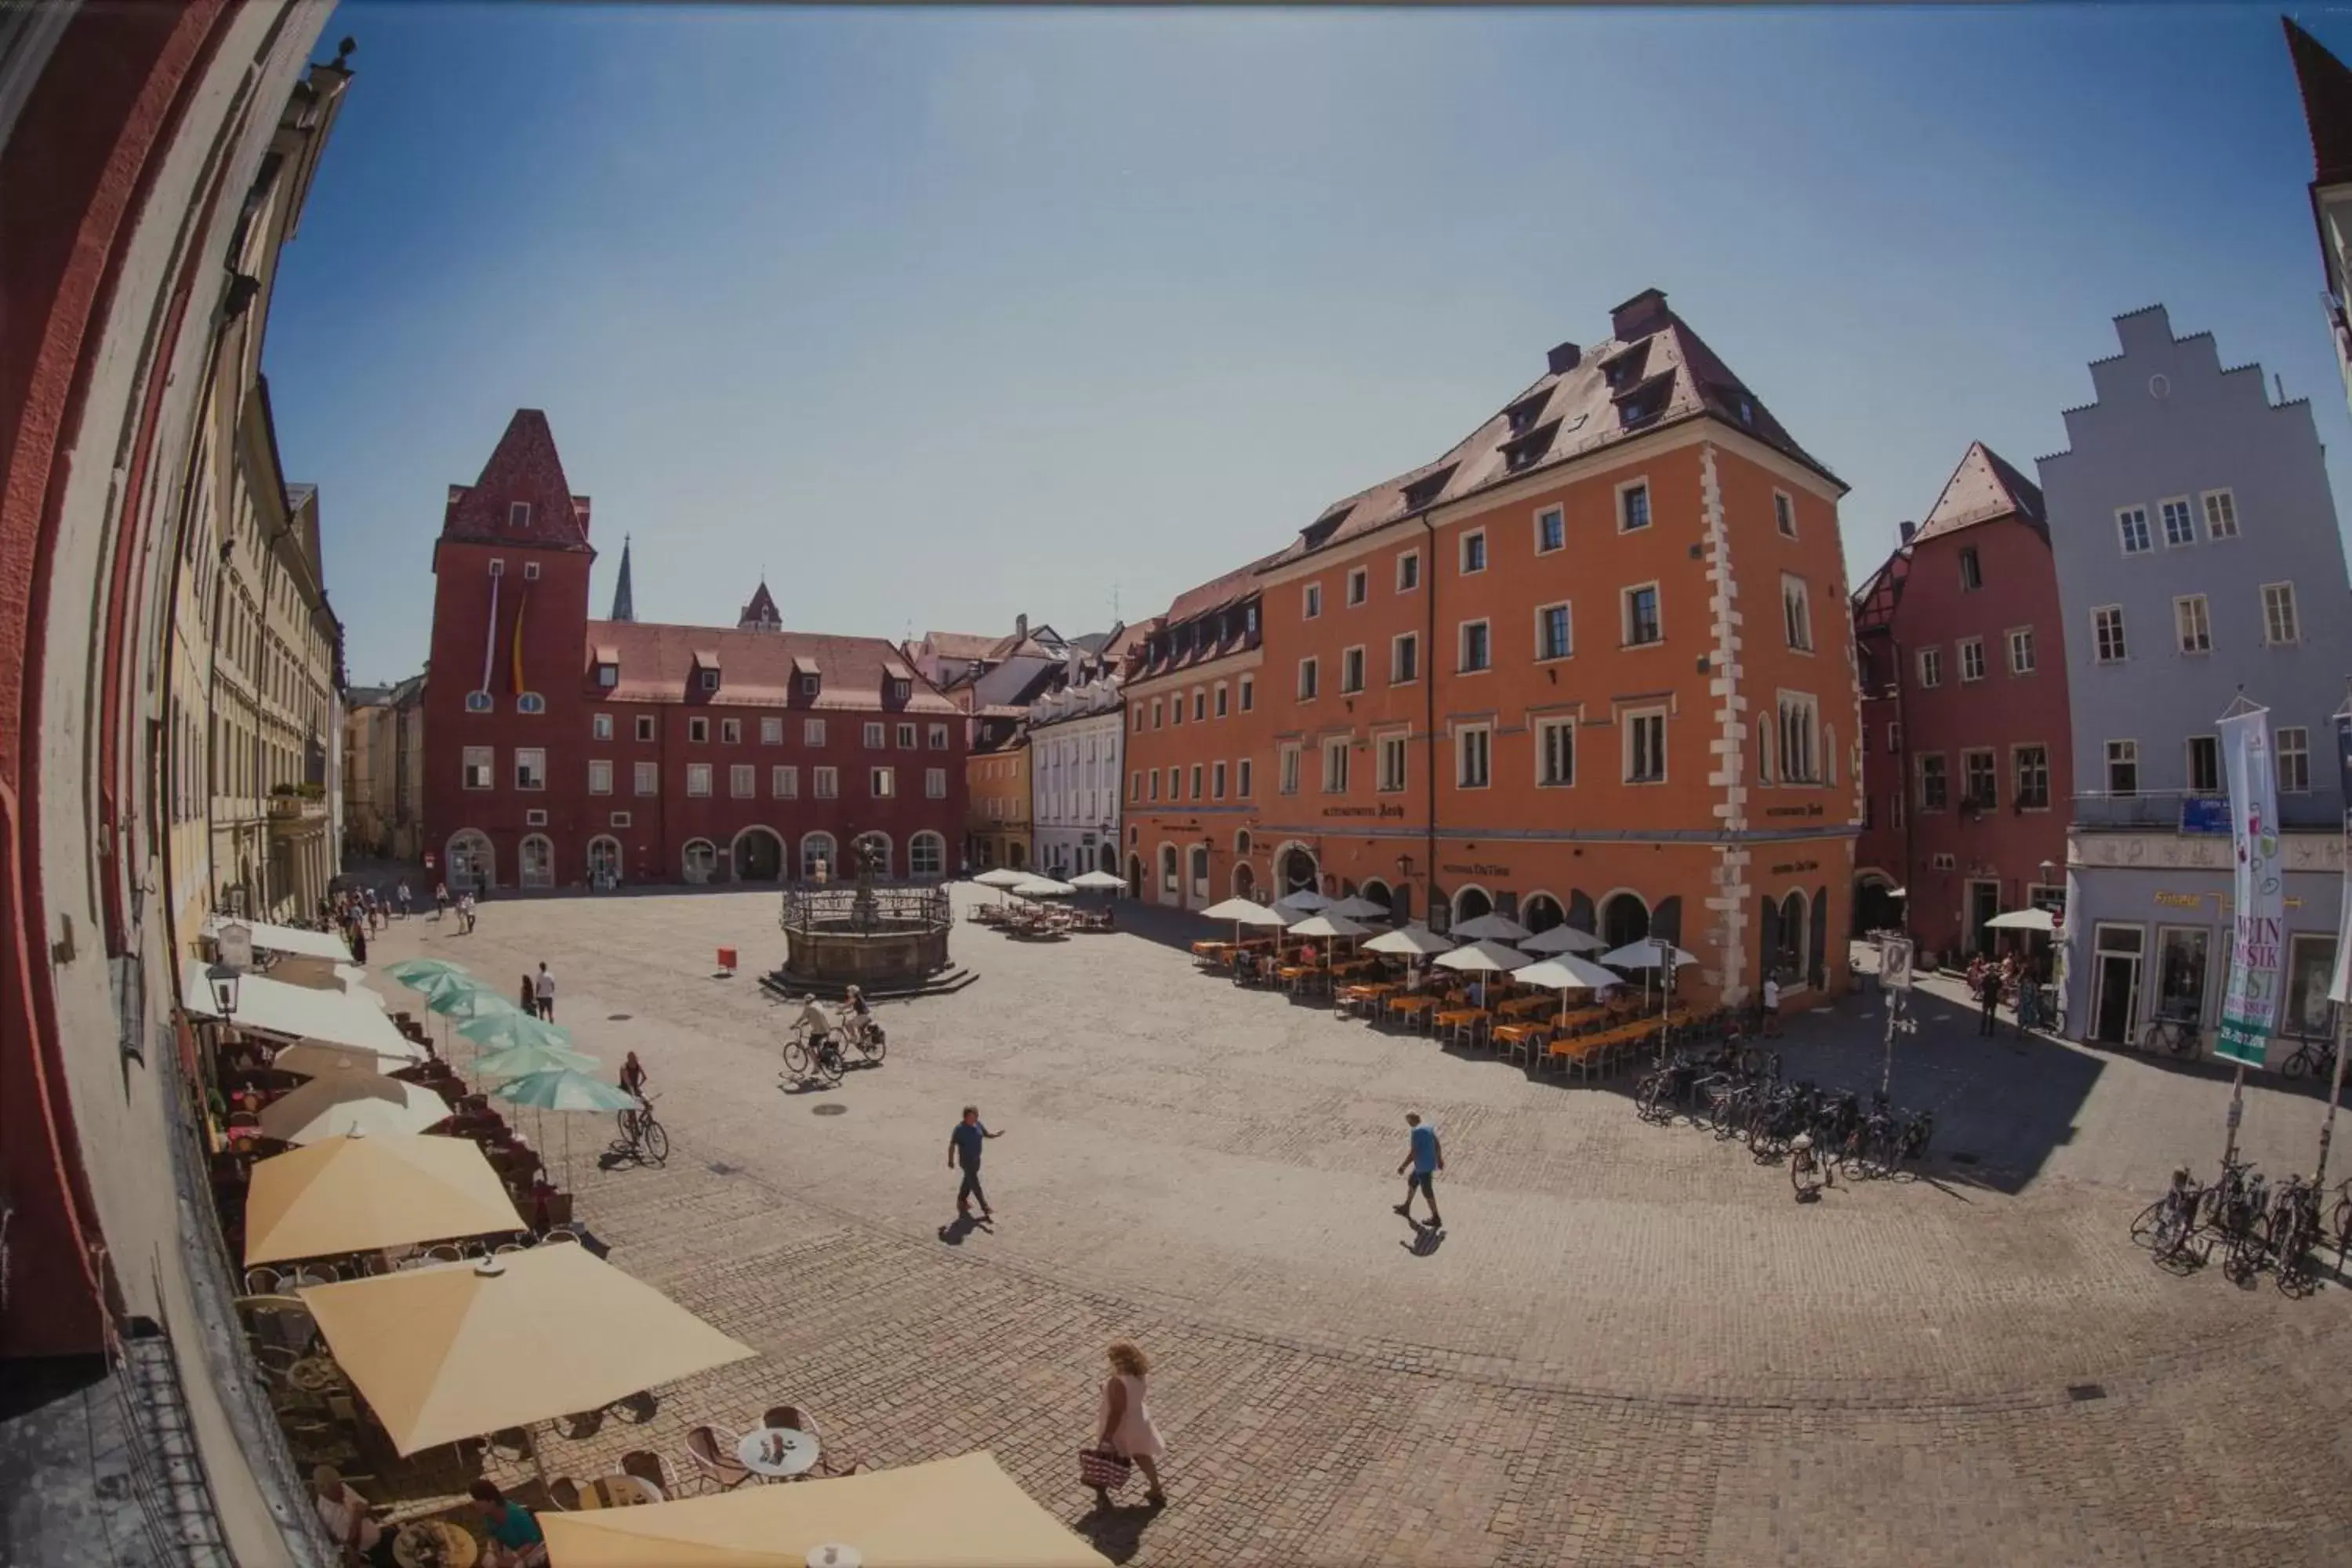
x=1126 y=1424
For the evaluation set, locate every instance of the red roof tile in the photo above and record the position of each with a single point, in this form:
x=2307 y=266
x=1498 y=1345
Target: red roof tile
x=959 y=645
x=1982 y=488
x=524 y=467
x=655 y=661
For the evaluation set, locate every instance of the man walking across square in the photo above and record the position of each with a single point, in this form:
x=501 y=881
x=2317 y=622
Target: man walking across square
x=544 y=988
x=963 y=1149
x=1425 y=1159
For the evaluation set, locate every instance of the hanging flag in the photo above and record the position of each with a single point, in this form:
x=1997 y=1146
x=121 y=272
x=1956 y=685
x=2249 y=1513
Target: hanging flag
x=490 y=642
x=521 y=605
x=2258 y=936
x=2339 y=989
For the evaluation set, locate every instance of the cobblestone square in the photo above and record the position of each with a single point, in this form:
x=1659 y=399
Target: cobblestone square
x=1631 y=1346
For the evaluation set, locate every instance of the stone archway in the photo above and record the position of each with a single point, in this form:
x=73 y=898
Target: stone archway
x=1624 y=918
x=1135 y=876
x=1471 y=902
x=1541 y=911
x=759 y=855
x=1296 y=868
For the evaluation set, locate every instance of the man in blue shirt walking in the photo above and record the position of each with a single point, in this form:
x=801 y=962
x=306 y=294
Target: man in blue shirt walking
x=963 y=1149
x=1426 y=1159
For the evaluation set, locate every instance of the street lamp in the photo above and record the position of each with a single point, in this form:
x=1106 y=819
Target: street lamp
x=223 y=982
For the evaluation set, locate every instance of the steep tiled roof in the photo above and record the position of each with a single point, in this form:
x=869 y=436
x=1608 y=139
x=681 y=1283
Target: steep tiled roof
x=522 y=468
x=2326 y=87
x=1656 y=373
x=761 y=608
x=959 y=645
x=756 y=668
x=1983 y=488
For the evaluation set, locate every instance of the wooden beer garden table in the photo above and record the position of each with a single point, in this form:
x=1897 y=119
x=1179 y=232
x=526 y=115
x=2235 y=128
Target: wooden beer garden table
x=1413 y=1004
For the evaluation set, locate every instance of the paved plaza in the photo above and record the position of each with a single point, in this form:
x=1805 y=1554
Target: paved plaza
x=1631 y=1346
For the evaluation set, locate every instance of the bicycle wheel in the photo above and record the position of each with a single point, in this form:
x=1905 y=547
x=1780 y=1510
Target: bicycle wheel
x=875 y=1047
x=796 y=1058
x=2299 y=1063
x=828 y=1063
x=656 y=1142
x=2149 y=1224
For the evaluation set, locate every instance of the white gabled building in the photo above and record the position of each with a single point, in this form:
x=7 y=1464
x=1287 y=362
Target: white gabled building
x=1076 y=739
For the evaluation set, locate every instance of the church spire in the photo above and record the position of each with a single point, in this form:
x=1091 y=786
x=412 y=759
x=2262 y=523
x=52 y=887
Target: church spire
x=624 y=605
x=760 y=614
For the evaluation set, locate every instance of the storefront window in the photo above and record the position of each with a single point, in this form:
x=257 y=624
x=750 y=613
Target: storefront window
x=2310 y=964
x=2181 y=971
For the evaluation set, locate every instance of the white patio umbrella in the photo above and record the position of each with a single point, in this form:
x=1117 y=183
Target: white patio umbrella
x=1415 y=940
x=1499 y=927
x=1042 y=887
x=1356 y=907
x=1301 y=902
x=1482 y=956
x=1561 y=939
x=1001 y=878
x=1650 y=952
x=1565 y=973
x=1328 y=925
x=1243 y=912
x=2023 y=920
x=1106 y=881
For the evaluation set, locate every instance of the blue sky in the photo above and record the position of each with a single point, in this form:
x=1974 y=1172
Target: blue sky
x=939 y=315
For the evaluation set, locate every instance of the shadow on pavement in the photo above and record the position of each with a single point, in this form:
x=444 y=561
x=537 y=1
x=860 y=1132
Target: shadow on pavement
x=1115 y=1529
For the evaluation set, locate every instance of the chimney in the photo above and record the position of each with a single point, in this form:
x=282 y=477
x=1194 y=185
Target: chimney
x=1020 y=628
x=1564 y=358
x=1907 y=528
x=1638 y=316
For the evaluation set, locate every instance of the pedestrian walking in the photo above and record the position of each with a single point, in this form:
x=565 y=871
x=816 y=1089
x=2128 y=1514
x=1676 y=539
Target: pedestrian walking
x=1125 y=1424
x=359 y=941
x=1424 y=1158
x=1989 y=993
x=528 y=995
x=1768 y=1021
x=963 y=1149
x=545 y=987
x=440 y=899
x=403 y=899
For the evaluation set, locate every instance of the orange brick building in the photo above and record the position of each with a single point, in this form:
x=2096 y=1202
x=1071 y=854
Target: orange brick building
x=1593 y=664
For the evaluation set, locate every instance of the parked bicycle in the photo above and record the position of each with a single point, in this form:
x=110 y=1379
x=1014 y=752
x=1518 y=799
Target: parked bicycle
x=2167 y=1228
x=2174 y=1034
x=2290 y=1233
x=2313 y=1055
x=643 y=1139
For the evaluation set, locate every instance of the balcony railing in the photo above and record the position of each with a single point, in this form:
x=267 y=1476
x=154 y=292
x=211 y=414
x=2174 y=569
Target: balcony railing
x=2194 y=812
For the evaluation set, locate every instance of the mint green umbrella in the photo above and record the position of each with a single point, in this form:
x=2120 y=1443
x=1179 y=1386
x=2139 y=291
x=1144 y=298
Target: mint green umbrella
x=467 y=998
x=525 y=1060
x=566 y=1089
x=409 y=971
x=514 y=1027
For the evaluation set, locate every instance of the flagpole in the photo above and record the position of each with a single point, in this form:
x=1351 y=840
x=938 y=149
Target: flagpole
x=2339 y=991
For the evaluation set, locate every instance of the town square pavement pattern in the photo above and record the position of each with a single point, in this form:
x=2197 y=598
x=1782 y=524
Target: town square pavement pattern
x=1631 y=1346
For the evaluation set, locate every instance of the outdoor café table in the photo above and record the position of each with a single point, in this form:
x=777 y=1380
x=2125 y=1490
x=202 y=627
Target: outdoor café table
x=1462 y=1019
x=314 y=1374
x=1527 y=1006
x=778 y=1451
x=434 y=1543
x=619 y=1491
x=1413 y=1003
x=1212 y=953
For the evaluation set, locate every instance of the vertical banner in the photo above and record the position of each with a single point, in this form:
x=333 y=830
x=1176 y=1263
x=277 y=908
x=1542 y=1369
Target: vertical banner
x=2340 y=988
x=2258 y=938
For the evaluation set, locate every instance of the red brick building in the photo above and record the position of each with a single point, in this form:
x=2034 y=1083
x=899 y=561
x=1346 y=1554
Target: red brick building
x=1967 y=762
x=560 y=748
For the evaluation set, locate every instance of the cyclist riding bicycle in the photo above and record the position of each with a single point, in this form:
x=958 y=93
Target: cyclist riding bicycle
x=856 y=1018
x=633 y=1076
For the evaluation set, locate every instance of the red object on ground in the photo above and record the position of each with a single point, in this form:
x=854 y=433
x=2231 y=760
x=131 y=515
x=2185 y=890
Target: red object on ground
x=727 y=959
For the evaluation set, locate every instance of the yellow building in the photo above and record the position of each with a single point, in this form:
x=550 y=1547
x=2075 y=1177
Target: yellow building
x=996 y=810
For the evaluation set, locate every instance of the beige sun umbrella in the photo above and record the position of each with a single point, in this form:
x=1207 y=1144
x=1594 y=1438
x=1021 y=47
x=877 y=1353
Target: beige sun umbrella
x=353 y=1099
x=364 y=1194
x=952 y=1514
x=316 y=1059
x=461 y=1349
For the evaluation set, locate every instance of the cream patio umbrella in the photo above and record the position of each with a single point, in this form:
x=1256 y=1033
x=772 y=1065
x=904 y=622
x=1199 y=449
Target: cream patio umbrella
x=964 y=1512
x=1001 y=878
x=457 y=1350
x=2023 y=919
x=1415 y=940
x=1243 y=912
x=365 y=1195
x=1356 y=907
x=1490 y=927
x=1561 y=939
x=1565 y=973
x=1482 y=956
x=1042 y=887
x=314 y=1058
x=1101 y=882
x=1300 y=901
x=337 y=1104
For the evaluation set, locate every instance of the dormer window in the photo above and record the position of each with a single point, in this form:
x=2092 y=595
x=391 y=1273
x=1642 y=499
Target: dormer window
x=608 y=675
x=898 y=692
x=530 y=570
x=1424 y=491
x=808 y=685
x=518 y=514
x=710 y=680
x=1523 y=415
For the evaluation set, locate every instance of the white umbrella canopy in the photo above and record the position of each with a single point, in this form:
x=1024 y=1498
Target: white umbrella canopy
x=1328 y=924
x=1567 y=972
x=1356 y=907
x=1002 y=877
x=316 y=1059
x=1482 y=956
x=338 y=1104
x=1301 y=902
x=1647 y=954
x=2023 y=920
x=1042 y=887
x=354 y=1194
x=1561 y=939
x=1242 y=912
x=1102 y=881
x=1414 y=941
x=1491 y=926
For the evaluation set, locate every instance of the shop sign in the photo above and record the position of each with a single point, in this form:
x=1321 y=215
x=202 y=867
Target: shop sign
x=2181 y=900
x=2207 y=813
x=1794 y=866
x=1382 y=813
x=1473 y=869
x=1812 y=809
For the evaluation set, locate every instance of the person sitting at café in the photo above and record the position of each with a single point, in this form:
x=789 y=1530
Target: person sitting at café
x=1308 y=955
x=515 y=1540
x=345 y=1515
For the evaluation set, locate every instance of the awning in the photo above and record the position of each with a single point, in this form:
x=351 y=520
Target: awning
x=287 y=939
x=298 y=1012
x=364 y=1194
x=952 y=1514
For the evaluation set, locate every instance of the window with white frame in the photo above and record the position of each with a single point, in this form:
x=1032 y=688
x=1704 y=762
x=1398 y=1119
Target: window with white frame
x=1249 y=692
x=698 y=778
x=1335 y=765
x=1352 y=670
x=531 y=767
x=2193 y=622
x=1555 y=753
x=1159 y=714
x=2107 y=634
x=1554 y=632
x=1310 y=601
x=2123 y=767
x=647 y=776
x=1473 y=552
x=742 y=781
x=1405 y=658
x=1797 y=612
x=873 y=734
x=2032 y=765
x=2204 y=765
x=1633 y=506
x=600 y=727
x=710 y=680
x=1392 y=762
x=2280 y=625
x=644 y=726
x=1800 y=722
x=905 y=737
x=600 y=775
x=1978 y=788
x=1474 y=758
x=1645 y=746
x=2020 y=650
x=1308 y=679
x=882 y=784
x=1784 y=514
x=812 y=732
x=2294 y=760
x=1551 y=531
x=1474 y=653
x=1217 y=781
x=1934 y=785
x=1137 y=711
x=2220 y=515
x=698 y=731
x=927 y=854
x=772 y=731
x=784 y=782
x=2131 y=528
x=1972 y=660
x=1360 y=585
x=1408 y=572
x=1931 y=668
x=481 y=760
x=1642 y=625
x=2179 y=522
x=937 y=737
x=1288 y=757
x=1242 y=778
